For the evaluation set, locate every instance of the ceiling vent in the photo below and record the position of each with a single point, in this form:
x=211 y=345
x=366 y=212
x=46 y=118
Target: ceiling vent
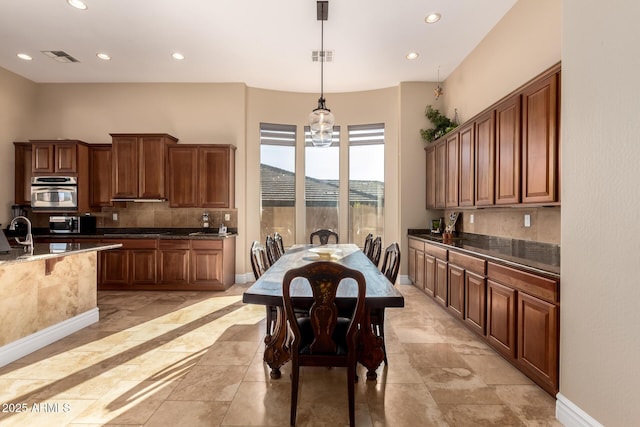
x=322 y=56
x=60 y=55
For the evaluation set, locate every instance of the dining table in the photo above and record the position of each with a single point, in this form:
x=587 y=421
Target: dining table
x=380 y=294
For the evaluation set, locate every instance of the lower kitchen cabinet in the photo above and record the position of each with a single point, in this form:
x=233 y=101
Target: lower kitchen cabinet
x=168 y=264
x=516 y=312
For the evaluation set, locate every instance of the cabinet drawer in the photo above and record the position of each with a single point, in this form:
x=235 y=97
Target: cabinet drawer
x=416 y=244
x=468 y=262
x=435 y=251
x=173 y=244
x=538 y=286
x=206 y=244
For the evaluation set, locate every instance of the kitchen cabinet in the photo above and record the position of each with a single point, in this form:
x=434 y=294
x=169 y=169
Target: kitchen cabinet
x=173 y=262
x=455 y=291
x=441 y=285
x=202 y=176
x=501 y=316
x=508 y=146
x=138 y=165
x=441 y=170
x=22 y=157
x=416 y=262
x=56 y=158
x=453 y=171
x=467 y=165
x=465 y=288
x=100 y=175
x=534 y=339
x=540 y=140
x=132 y=265
x=168 y=264
x=431 y=177
x=433 y=275
x=485 y=159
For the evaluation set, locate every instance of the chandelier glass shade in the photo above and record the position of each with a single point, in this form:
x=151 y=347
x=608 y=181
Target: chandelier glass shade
x=321 y=119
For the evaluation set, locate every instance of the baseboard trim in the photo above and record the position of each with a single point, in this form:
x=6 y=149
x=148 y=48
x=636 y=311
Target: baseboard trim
x=404 y=280
x=244 y=278
x=571 y=415
x=20 y=348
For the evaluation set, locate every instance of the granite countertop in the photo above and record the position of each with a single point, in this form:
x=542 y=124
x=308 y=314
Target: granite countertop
x=142 y=233
x=534 y=256
x=51 y=250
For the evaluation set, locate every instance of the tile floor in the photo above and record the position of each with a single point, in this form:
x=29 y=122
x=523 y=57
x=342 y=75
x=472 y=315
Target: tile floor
x=195 y=359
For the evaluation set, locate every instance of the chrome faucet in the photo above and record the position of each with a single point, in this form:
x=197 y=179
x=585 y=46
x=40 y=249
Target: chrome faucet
x=28 y=240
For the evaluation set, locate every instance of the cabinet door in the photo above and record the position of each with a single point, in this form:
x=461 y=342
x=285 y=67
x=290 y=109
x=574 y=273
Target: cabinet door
x=441 y=282
x=412 y=264
x=420 y=270
x=475 y=308
x=539 y=141
x=100 y=180
x=173 y=262
x=23 y=152
x=431 y=178
x=508 y=142
x=65 y=158
x=538 y=339
x=114 y=267
x=456 y=290
x=429 y=274
x=467 y=166
x=216 y=186
x=206 y=268
x=485 y=159
x=124 y=167
x=183 y=176
x=43 y=158
x=453 y=167
x=143 y=266
x=501 y=312
x=152 y=157
x=441 y=170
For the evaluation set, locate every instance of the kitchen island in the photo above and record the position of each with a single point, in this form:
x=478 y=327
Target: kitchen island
x=46 y=293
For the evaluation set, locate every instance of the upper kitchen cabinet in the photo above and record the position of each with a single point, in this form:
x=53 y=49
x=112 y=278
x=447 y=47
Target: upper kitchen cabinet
x=431 y=177
x=22 y=173
x=485 y=146
x=508 y=145
x=467 y=165
x=540 y=140
x=57 y=157
x=138 y=165
x=453 y=170
x=202 y=176
x=100 y=179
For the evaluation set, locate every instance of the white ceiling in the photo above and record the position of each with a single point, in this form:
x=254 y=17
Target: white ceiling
x=265 y=44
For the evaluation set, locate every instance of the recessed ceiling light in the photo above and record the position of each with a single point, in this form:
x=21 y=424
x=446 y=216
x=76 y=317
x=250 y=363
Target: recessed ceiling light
x=78 y=4
x=412 y=55
x=177 y=55
x=432 y=18
x=25 y=56
x=103 y=56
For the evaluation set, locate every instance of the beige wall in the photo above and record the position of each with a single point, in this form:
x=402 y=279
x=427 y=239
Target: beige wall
x=600 y=343
x=17 y=108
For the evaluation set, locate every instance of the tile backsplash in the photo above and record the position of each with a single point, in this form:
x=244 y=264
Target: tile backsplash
x=510 y=222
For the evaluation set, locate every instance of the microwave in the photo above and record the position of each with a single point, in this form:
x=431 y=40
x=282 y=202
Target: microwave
x=51 y=193
x=72 y=224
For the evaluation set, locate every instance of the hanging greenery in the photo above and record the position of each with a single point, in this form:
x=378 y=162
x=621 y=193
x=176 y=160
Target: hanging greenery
x=442 y=124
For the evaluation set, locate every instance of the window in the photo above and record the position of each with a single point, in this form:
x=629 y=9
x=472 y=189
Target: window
x=277 y=180
x=366 y=181
x=322 y=183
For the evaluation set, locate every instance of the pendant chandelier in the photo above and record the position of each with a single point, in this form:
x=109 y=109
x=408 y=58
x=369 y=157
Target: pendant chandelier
x=321 y=119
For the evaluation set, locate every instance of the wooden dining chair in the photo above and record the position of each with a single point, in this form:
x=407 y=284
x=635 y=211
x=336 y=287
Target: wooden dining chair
x=323 y=338
x=368 y=245
x=273 y=252
x=323 y=236
x=260 y=264
x=277 y=237
x=390 y=267
x=376 y=250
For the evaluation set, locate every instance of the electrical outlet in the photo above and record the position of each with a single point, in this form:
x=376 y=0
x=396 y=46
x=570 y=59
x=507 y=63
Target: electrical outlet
x=114 y=215
x=471 y=219
x=527 y=220
x=227 y=217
